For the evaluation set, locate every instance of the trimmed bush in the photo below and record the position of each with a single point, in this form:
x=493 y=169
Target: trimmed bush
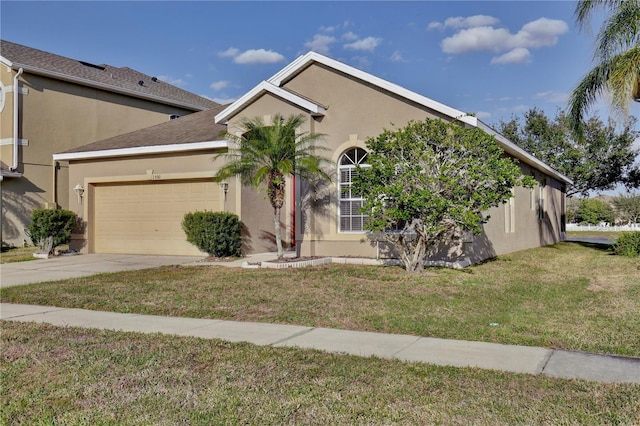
x=216 y=233
x=628 y=244
x=57 y=224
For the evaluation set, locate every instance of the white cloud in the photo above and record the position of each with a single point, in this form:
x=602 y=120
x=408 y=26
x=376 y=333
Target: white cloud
x=350 y=36
x=173 y=81
x=320 y=43
x=552 y=96
x=397 y=57
x=470 y=21
x=464 y=22
x=223 y=101
x=334 y=28
x=519 y=55
x=367 y=44
x=219 y=85
x=258 y=56
x=253 y=56
x=539 y=33
x=474 y=39
x=361 y=62
x=229 y=53
x=483 y=114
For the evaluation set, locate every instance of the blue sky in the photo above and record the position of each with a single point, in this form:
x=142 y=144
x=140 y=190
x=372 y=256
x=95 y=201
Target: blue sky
x=494 y=59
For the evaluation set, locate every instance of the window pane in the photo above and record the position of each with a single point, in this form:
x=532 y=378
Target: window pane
x=351 y=217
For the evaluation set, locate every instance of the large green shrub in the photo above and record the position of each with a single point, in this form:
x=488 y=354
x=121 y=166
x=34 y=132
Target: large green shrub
x=57 y=224
x=628 y=244
x=217 y=233
x=594 y=211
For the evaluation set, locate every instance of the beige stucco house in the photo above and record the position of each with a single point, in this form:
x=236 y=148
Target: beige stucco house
x=138 y=186
x=49 y=104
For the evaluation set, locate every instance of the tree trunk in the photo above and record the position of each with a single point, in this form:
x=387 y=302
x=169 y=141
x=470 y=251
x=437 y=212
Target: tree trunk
x=276 y=224
x=416 y=264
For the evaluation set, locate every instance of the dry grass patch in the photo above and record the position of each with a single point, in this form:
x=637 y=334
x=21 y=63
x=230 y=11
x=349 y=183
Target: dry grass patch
x=615 y=283
x=17 y=254
x=539 y=297
x=64 y=375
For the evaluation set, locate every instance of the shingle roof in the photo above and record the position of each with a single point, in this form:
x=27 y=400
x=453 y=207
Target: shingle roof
x=5 y=171
x=121 y=80
x=191 y=128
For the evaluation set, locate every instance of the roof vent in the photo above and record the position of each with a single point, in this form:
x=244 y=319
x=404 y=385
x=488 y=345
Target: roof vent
x=154 y=79
x=141 y=82
x=89 y=64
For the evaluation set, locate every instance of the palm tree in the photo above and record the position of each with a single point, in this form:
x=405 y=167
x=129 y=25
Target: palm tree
x=266 y=153
x=617 y=56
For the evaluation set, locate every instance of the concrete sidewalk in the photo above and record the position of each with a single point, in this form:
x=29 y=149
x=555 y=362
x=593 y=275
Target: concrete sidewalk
x=510 y=358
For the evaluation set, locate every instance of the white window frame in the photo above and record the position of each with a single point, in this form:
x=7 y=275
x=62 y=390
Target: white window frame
x=510 y=214
x=361 y=161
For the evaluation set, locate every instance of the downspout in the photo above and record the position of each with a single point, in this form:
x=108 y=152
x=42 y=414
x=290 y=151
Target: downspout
x=54 y=190
x=16 y=106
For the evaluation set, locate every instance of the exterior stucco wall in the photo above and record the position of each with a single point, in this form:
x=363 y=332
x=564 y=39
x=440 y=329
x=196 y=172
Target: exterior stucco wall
x=529 y=228
x=143 y=169
x=56 y=116
x=356 y=111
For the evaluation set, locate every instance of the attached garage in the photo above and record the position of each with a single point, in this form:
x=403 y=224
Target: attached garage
x=145 y=217
x=131 y=192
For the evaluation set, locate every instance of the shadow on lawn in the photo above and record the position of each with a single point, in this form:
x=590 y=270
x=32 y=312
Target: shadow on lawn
x=597 y=245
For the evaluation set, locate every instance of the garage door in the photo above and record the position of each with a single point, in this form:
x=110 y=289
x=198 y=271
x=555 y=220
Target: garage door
x=145 y=218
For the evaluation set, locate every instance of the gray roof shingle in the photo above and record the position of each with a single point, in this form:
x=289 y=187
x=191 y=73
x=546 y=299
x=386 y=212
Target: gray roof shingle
x=191 y=128
x=121 y=80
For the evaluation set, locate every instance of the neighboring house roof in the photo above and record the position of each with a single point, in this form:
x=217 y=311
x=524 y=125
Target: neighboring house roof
x=190 y=132
x=120 y=80
x=6 y=172
x=274 y=85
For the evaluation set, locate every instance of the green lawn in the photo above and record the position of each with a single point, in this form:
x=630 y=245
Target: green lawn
x=63 y=375
x=574 y=296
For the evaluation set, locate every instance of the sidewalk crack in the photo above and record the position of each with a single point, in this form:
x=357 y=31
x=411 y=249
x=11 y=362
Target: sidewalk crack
x=546 y=360
x=298 y=334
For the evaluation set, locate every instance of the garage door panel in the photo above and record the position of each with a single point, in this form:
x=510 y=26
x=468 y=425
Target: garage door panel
x=146 y=217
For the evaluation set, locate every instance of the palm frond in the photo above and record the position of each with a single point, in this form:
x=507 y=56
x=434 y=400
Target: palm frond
x=620 y=31
x=624 y=79
x=585 y=8
x=585 y=94
x=279 y=146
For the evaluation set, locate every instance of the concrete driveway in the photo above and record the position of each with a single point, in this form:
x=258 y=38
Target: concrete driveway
x=63 y=267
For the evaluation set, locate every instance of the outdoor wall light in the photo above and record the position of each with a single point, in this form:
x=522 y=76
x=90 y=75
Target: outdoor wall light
x=224 y=185
x=79 y=190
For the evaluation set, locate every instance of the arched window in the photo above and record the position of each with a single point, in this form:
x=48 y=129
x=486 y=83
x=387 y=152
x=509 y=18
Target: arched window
x=350 y=218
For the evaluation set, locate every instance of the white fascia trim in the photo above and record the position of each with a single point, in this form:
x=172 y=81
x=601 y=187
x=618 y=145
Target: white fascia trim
x=141 y=150
x=106 y=87
x=266 y=87
x=6 y=62
x=514 y=150
x=303 y=61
